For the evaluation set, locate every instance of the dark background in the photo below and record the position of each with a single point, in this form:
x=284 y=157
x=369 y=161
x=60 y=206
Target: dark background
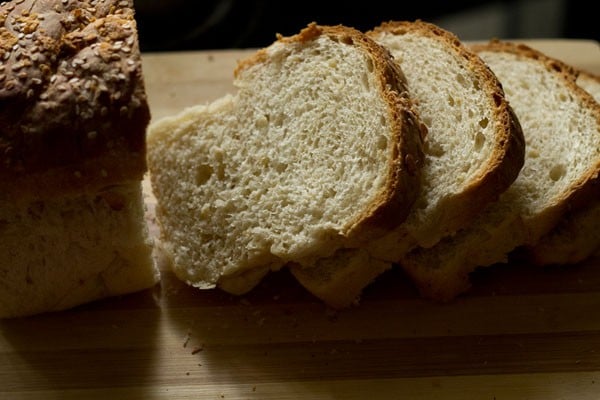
x=167 y=25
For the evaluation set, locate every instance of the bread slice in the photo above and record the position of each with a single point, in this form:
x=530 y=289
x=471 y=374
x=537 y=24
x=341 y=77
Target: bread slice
x=577 y=236
x=318 y=149
x=73 y=118
x=474 y=151
x=561 y=124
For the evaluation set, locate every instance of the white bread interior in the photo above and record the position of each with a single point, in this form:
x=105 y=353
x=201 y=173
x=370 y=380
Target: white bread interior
x=66 y=251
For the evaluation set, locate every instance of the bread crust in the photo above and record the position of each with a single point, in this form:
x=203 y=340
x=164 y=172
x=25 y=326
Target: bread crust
x=392 y=205
x=73 y=110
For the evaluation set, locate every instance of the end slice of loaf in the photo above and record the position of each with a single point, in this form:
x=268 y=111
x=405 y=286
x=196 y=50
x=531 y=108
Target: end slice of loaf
x=577 y=236
x=73 y=118
x=561 y=124
x=319 y=148
x=473 y=151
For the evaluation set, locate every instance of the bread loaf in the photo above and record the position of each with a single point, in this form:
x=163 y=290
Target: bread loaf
x=73 y=116
x=561 y=125
x=473 y=151
x=318 y=149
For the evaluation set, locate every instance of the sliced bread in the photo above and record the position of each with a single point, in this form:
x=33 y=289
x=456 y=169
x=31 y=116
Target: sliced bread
x=561 y=124
x=318 y=149
x=473 y=152
x=577 y=235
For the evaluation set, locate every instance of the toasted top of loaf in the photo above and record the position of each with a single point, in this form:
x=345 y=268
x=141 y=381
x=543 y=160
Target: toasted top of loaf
x=561 y=124
x=475 y=147
x=73 y=111
x=319 y=147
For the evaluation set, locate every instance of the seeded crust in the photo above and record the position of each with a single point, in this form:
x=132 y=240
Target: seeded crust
x=72 y=106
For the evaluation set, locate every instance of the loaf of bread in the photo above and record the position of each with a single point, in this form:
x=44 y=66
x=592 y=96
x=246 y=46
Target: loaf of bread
x=577 y=235
x=73 y=116
x=318 y=149
x=473 y=152
x=561 y=125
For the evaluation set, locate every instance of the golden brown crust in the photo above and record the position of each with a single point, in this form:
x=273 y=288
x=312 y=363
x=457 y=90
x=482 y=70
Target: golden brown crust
x=509 y=150
x=393 y=204
x=71 y=91
x=587 y=188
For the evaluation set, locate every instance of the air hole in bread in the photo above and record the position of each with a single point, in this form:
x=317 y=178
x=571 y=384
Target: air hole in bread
x=434 y=149
x=365 y=82
x=382 y=142
x=461 y=79
x=281 y=167
x=370 y=65
x=451 y=102
x=533 y=153
x=203 y=174
x=557 y=172
x=484 y=123
x=563 y=97
x=479 y=141
x=476 y=84
x=261 y=122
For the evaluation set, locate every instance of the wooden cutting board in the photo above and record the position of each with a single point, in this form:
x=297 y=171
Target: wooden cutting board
x=521 y=333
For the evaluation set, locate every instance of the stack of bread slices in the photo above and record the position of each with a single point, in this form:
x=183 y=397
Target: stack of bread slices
x=345 y=153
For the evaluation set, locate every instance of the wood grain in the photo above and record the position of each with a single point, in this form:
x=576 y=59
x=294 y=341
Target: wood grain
x=521 y=333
